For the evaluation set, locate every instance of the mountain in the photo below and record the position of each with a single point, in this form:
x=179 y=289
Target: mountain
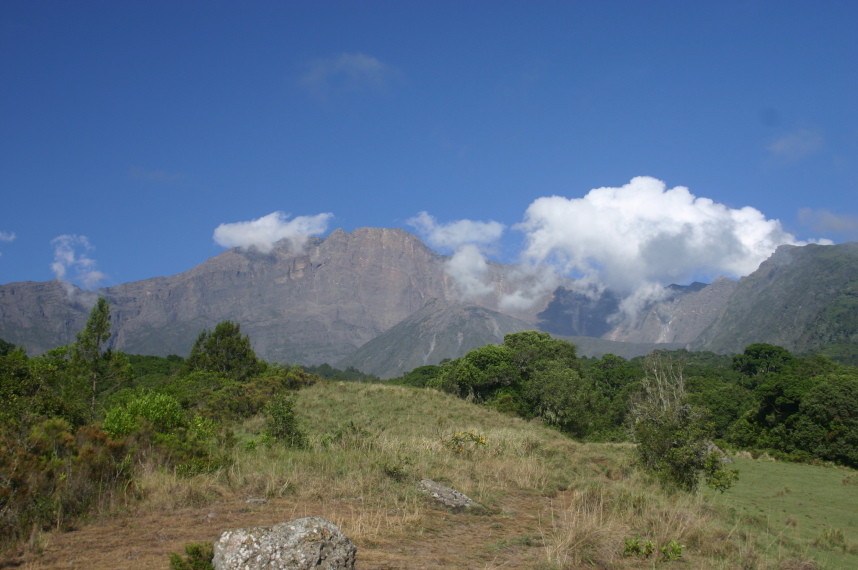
x=438 y=330
x=316 y=305
x=802 y=298
x=41 y=316
x=380 y=300
x=679 y=317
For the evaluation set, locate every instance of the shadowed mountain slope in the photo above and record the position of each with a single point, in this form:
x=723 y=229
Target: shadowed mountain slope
x=801 y=298
x=437 y=331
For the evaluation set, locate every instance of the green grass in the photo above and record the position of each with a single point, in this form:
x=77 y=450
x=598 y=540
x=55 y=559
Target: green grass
x=548 y=501
x=805 y=506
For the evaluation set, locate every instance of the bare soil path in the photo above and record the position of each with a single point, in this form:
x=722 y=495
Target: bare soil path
x=437 y=539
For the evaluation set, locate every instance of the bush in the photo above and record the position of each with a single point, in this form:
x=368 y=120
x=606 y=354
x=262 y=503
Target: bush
x=198 y=556
x=671 y=434
x=281 y=423
x=57 y=475
x=161 y=410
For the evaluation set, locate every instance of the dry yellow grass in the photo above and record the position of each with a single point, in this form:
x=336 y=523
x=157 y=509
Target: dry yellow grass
x=548 y=502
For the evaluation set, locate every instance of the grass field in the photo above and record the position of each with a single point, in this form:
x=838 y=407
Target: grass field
x=546 y=501
x=813 y=509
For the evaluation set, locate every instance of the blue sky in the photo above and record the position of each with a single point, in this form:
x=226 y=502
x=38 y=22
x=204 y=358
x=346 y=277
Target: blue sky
x=131 y=131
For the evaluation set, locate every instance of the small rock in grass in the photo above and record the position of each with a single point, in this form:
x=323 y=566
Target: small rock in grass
x=450 y=498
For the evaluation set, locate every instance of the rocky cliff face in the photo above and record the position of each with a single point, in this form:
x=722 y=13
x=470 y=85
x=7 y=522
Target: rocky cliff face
x=311 y=306
x=41 y=316
x=380 y=300
x=316 y=305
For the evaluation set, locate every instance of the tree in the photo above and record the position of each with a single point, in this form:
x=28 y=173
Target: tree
x=762 y=358
x=224 y=351
x=6 y=347
x=533 y=348
x=827 y=425
x=559 y=395
x=671 y=434
x=100 y=367
x=479 y=374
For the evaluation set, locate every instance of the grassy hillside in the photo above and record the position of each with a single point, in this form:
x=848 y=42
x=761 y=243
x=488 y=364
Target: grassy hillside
x=810 y=508
x=547 y=502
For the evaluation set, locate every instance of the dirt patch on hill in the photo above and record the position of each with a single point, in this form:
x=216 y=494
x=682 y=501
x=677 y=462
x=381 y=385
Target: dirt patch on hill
x=433 y=538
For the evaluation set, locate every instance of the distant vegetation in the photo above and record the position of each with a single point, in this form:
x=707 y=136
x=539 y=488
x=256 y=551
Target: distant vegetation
x=81 y=424
x=350 y=374
x=764 y=400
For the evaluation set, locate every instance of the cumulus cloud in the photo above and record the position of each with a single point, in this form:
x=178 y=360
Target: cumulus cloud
x=640 y=237
x=6 y=237
x=823 y=221
x=467 y=268
x=797 y=145
x=356 y=72
x=534 y=282
x=72 y=262
x=455 y=234
x=466 y=239
x=262 y=233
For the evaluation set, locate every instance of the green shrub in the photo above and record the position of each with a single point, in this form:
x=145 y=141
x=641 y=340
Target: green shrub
x=198 y=556
x=671 y=551
x=281 y=423
x=163 y=411
x=57 y=475
x=634 y=548
x=463 y=441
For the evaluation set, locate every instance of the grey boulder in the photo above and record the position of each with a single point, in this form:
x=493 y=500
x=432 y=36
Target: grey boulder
x=310 y=542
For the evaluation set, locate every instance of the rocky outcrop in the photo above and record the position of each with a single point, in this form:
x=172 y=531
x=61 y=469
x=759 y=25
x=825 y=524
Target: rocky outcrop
x=301 y=544
x=447 y=497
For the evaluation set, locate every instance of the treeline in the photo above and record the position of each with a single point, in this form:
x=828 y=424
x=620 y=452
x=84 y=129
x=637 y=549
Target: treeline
x=766 y=399
x=78 y=423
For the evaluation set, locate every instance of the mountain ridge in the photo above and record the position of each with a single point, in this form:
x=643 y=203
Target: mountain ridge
x=340 y=298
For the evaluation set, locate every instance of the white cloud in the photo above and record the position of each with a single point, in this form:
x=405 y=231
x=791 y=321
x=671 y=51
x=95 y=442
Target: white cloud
x=643 y=235
x=72 y=262
x=453 y=235
x=467 y=268
x=465 y=238
x=347 y=71
x=534 y=283
x=824 y=221
x=6 y=237
x=797 y=145
x=262 y=233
